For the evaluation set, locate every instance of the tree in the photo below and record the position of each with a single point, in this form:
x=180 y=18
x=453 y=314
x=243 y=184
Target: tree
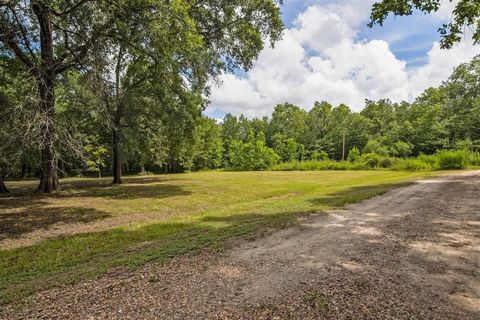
x=16 y=125
x=49 y=38
x=466 y=15
x=177 y=50
x=253 y=154
x=462 y=101
x=207 y=146
x=289 y=121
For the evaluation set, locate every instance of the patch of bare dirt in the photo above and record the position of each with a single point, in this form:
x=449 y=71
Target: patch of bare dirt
x=413 y=253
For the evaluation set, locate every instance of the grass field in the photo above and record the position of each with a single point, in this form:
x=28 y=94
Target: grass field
x=90 y=226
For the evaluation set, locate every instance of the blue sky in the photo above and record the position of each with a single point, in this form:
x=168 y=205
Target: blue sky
x=329 y=53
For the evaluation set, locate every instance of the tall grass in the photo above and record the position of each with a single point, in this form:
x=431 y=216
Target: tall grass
x=442 y=160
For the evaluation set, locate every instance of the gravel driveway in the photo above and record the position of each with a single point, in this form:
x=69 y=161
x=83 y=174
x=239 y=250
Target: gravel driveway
x=413 y=253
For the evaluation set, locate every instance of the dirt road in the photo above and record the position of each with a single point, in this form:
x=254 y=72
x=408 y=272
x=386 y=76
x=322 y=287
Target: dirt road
x=413 y=253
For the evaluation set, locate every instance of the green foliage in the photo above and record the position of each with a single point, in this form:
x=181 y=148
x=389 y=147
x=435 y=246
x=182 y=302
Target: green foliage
x=207 y=146
x=287 y=148
x=371 y=160
x=375 y=147
x=466 y=15
x=96 y=155
x=442 y=160
x=252 y=154
x=411 y=165
x=447 y=159
x=402 y=149
x=319 y=155
x=353 y=154
x=313 y=165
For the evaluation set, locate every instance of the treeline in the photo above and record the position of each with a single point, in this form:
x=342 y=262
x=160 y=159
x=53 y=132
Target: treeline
x=441 y=118
x=447 y=117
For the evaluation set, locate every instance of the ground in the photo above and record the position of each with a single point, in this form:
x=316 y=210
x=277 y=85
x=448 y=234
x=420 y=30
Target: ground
x=412 y=253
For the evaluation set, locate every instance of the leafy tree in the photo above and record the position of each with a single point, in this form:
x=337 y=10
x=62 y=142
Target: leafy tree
x=207 y=146
x=49 y=38
x=402 y=149
x=374 y=146
x=289 y=121
x=187 y=42
x=233 y=129
x=287 y=148
x=426 y=126
x=462 y=102
x=466 y=15
x=252 y=154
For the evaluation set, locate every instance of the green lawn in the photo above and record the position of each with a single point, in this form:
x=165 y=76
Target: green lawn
x=187 y=213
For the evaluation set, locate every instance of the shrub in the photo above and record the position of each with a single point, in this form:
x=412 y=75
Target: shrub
x=313 y=165
x=474 y=158
x=319 y=155
x=430 y=160
x=452 y=159
x=371 y=160
x=411 y=165
x=252 y=155
x=387 y=162
x=354 y=155
x=402 y=149
x=373 y=146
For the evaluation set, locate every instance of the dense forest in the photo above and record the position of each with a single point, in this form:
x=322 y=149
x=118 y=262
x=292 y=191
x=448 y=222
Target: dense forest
x=177 y=137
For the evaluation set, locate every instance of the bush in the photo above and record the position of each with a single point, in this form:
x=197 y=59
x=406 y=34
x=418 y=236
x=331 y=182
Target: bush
x=411 y=165
x=313 y=165
x=430 y=160
x=354 y=155
x=458 y=159
x=402 y=149
x=319 y=155
x=371 y=160
x=373 y=146
x=387 y=162
x=252 y=154
x=474 y=158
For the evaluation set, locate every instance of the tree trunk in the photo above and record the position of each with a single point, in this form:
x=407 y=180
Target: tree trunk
x=3 y=187
x=49 y=178
x=46 y=86
x=117 y=161
x=117 y=133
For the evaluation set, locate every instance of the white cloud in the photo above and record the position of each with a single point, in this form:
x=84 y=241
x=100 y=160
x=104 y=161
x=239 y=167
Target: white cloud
x=440 y=66
x=319 y=59
x=446 y=9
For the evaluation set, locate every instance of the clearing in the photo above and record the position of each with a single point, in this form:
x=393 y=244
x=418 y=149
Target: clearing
x=411 y=253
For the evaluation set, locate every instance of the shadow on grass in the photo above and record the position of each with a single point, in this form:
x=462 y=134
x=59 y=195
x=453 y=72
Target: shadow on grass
x=355 y=194
x=23 y=211
x=15 y=223
x=133 y=187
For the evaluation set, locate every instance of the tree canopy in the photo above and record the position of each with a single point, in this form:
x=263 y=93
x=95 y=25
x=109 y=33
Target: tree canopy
x=466 y=16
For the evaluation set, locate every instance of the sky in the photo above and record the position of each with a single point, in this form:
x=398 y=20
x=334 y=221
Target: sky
x=328 y=53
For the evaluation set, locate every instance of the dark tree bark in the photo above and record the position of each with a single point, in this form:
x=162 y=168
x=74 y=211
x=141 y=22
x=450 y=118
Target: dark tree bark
x=117 y=160
x=49 y=178
x=3 y=187
x=46 y=86
x=117 y=122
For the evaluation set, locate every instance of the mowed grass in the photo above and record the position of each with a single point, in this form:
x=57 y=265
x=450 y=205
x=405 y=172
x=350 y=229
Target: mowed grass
x=187 y=213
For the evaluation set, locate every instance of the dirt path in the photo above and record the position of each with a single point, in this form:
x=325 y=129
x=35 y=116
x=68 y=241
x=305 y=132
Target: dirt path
x=413 y=253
